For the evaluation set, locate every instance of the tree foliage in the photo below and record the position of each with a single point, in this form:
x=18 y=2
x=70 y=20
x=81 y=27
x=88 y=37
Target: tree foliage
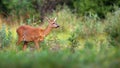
x=100 y=7
x=82 y=7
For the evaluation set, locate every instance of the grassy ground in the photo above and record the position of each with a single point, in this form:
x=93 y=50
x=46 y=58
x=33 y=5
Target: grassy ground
x=80 y=42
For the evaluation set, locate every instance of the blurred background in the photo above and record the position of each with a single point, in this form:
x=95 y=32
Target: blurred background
x=88 y=36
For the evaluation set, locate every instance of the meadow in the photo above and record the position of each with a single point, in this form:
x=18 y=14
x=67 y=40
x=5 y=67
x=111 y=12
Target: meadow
x=79 y=42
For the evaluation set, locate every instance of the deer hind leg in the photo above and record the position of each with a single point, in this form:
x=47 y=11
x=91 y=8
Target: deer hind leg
x=25 y=45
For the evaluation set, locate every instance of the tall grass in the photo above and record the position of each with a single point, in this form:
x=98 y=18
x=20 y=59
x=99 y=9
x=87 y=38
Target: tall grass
x=80 y=42
x=5 y=36
x=113 y=28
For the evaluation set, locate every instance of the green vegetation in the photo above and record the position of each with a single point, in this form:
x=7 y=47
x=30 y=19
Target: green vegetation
x=5 y=37
x=85 y=41
x=100 y=7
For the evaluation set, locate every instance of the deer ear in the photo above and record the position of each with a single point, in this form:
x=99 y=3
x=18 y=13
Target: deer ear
x=47 y=19
x=55 y=19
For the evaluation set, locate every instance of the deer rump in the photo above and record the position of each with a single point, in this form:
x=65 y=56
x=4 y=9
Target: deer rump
x=28 y=33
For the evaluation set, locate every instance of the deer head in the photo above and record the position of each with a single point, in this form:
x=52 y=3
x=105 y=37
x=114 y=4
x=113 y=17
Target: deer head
x=52 y=23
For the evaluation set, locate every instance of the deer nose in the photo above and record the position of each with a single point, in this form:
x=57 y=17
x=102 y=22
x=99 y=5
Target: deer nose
x=58 y=26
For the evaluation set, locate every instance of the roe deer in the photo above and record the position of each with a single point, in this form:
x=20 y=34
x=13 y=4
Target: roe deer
x=28 y=33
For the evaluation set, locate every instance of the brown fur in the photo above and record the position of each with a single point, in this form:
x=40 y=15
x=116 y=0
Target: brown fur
x=28 y=33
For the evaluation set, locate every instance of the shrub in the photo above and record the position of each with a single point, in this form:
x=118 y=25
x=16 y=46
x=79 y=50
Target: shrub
x=94 y=6
x=113 y=28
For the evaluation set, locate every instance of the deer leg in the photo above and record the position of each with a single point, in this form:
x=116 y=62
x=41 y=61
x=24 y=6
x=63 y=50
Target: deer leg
x=36 y=44
x=25 y=45
x=19 y=40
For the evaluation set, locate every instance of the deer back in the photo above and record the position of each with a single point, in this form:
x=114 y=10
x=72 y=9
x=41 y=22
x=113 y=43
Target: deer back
x=29 y=33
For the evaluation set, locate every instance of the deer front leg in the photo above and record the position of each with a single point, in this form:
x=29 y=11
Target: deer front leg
x=25 y=45
x=36 y=44
x=19 y=40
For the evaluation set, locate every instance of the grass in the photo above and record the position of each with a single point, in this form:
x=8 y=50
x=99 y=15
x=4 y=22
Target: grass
x=87 y=58
x=86 y=36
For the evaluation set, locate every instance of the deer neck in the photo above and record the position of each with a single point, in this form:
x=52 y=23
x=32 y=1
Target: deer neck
x=47 y=30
